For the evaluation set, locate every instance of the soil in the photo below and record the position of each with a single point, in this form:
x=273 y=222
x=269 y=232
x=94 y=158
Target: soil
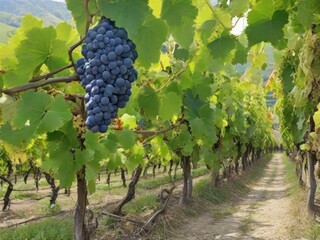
x=264 y=213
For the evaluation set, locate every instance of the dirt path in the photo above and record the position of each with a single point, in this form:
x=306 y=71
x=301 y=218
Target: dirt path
x=262 y=214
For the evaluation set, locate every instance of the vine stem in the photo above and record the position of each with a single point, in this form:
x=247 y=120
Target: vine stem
x=35 y=85
x=46 y=76
x=214 y=13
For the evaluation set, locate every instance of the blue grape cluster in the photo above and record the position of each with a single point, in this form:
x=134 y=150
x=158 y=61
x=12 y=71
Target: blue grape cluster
x=106 y=72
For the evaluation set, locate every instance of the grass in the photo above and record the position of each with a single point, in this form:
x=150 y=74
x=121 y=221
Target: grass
x=303 y=225
x=234 y=188
x=219 y=213
x=24 y=195
x=245 y=225
x=50 y=229
x=142 y=203
x=157 y=182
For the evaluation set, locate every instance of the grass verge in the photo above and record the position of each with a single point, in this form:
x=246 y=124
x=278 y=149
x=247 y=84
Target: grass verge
x=303 y=226
x=233 y=188
x=50 y=229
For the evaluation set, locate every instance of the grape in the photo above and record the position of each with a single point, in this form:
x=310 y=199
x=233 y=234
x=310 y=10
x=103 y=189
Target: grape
x=112 y=56
x=105 y=101
x=118 y=50
x=106 y=72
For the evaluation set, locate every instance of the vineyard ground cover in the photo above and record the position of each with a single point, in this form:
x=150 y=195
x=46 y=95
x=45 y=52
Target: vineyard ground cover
x=28 y=208
x=261 y=207
x=304 y=225
x=177 y=214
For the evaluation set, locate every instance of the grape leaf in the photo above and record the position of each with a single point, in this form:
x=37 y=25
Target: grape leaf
x=79 y=14
x=149 y=101
x=40 y=109
x=268 y=30
x=180 y=16
x=198 y=127
x=126 y=138
x=19 y=137
x=261 y=12
x=156 y=6
x=149 y=38
x=130 y=14
x=170 y=104
x=222 y=46
x=129 y=121
x=239 y=7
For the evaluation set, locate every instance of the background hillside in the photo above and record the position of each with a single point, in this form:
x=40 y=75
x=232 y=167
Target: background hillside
x=11 y=12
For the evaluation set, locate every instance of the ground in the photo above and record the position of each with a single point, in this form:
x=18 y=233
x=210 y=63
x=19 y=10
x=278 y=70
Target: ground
x=264 y=213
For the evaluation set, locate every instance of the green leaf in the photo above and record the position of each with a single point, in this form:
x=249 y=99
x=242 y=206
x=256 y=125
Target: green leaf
x=261 y=12
x=268 y=30
x=42 y=48
x=156 y=6
x=181 y=54
x=287 y=78
x=79 y=14
x=239 y=7
x=42 y=110
x=206 y=29
x=137 y=157
x=20 y=137
x=241 y=54
x=149 y=102
x=129 y=121
x=8 y=108
x=111 y=142
x=170 y=105
x=192 y=105
x=221 y=47
x=180 y=16
x=149 y=38
x=198 y=128
x=130 y=14
x=126 y=138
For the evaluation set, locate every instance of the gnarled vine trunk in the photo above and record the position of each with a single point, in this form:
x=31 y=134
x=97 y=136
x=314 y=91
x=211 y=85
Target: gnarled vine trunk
x=187 y=181
x=312 y=181
x=80 y=228
x=312 y=160
x=54 y=189
x=6 y=199
x=131 y=190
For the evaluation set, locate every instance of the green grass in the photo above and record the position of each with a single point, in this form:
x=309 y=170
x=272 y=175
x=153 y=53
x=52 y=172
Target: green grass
x=51 y=229
x=24 y=195
x=304 y=225
x=141 y=203
x=245 y=225
x=234 y=188
x=219 y=213
x=157 y=182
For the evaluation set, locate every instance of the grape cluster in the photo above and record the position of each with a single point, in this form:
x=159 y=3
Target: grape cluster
x=106 y=72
